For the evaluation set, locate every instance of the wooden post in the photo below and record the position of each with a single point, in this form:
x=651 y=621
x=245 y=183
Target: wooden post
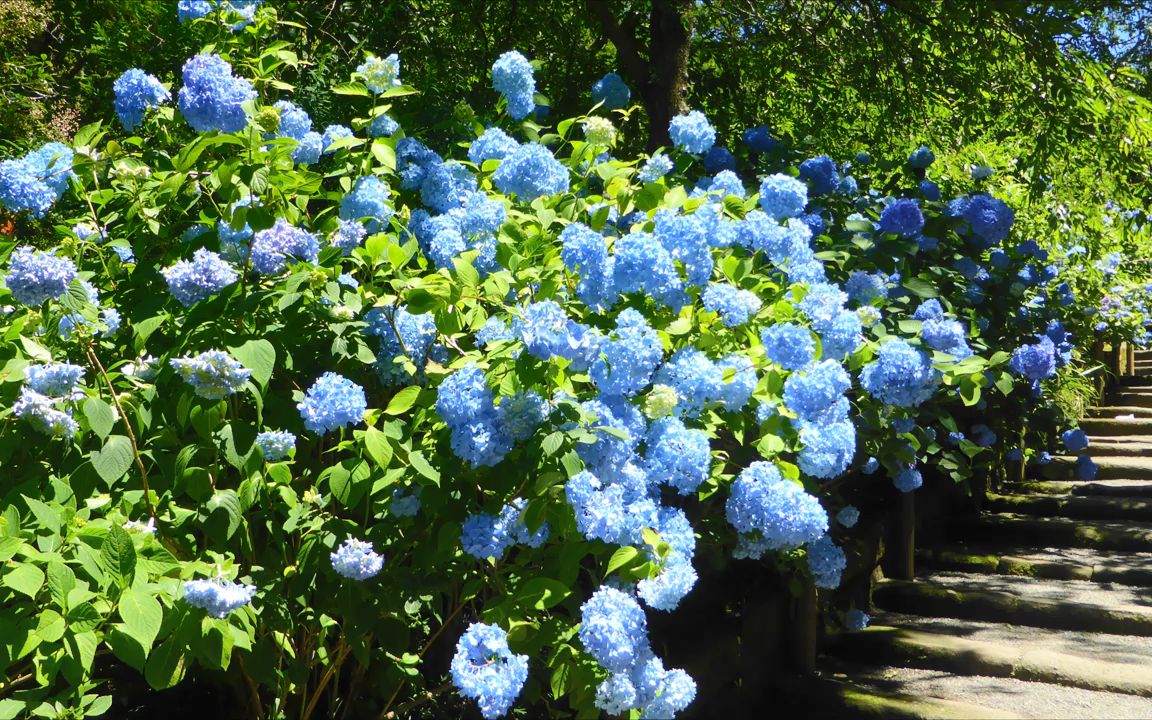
x=903 y=565
x=805 y=629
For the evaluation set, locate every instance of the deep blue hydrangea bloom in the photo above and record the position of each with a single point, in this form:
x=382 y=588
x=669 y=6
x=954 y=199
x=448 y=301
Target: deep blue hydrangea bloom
x=369 y=199
x=271 y=248
x=817 y=394
x=655 y=168
x=901 y=375
x=828 y=448
x=332 y=402
x=902 y=217
x=205 y=275
x=356 y=560
x=983 y=436
x=826 y=562
x=644 y=265
x=719 y=159
x=864 y=287
x=1075 y=440
x=413 y=159
x=35 y=276
x=821 y=174
x=211 y=98
x=695 y=378
x=493 y=144
x=446 y=185
x=383 y=126
x=348 y=236
x=218 y=597
x=871 y=466
x=1036 y=361
x=628 y=357
x=848 y=516
x=946 y=336
x=380 y=73
x=930 y=190
x=1086 y=469
x=494 y=330
x=41 y=412
x=37 y=180
x=294 y=121
x=676 y=455
x=487 y=671
x=989 y=218
x=611 y=453
x=692 y=132
x=783 y=196
x=841 y=336
x=611 y=91
x=1014 y=455
x=907 y=479
x=512 y=77
x=405 y=504
x=56 y=380
x=332 y=133
x=971 y=270
x=856 y=620
x=929 y=310
x=463 y=395
x=585 y=251
x=276 y=444
x=529 y=172
x=613 y=629
x=213 y=374
x=734 y=305
x=921 y=158
x=136 y=91
x=521 y=414
x=788 y=345
x=416 y=335
x=785 y=516
x=1061 y=340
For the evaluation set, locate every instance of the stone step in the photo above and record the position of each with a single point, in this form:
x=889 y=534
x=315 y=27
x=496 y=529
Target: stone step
x=1131 y=398
x=1110 y=488
x=1133 y=381
x=1108 y=468
x=1056 y=604
x=837 y=698
x=1124 y=568
x=1131 y=446
x=1071 y=506
x=1111 y=411
x=1055 y=531
x=1102 y=663
x=1112 y=426
x=1016 y=698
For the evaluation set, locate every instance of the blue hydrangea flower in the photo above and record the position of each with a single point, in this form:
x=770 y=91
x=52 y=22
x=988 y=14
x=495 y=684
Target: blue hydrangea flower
x=193 y=9
x=42 y=413
x=35 y=276
x=612 y=92
x=983 y=436
x=211 y=98
x=446 y=185
x=628 y=356
x=213 y=374
x=484 y=669
x=902 y=217
x=826 y=562
x=841 y=336
x=136 y=91
x=348 y=236
x=613 y=629
x=416 y=335
x=521 y=414
x=734 y=305
x=695 y=378
x=495 y=330
x=1086 y=469
x=719 y=159
x=643 y=264
x=930 y=190
x=871 y=466
x=907 y=479
x=929 y=310
x=946 y=336
x=369 y=199
x=37 y=180
x=901 y=375
x=124 y=253
x=380 y=73
x=759 y=139
x=332 y=133
x=205 y=275
x=1075 y=440
x=666 y=590
x=736 y=390
x=821 y=174
x=856 y=620
x=529 y=172
x=676 y=455
x=271 y=248
x=356 y=560
x=294 y=121
x=276 y=444
x=611 y=453
x=725 y=183
x=413 y=159
x=493 y=144
x=817 y=394
x=405 y=504
x=655 y=168
x=788 y=345
x=512 y=77
x=1014 y=455
x=921 y=158
x=308 y=149
x=1035 y=361
x=383 y=126
x=780 y=511
x=692 y=132
x=848 y=516
x=218 y=597
x=547 y=332
x=615 y=512
x=684 y=238
x=828 y=448
x=332 y=402
x=783 y=196
x=585 y=251
x=989 y=218
x=56 y=380
x=864 y=287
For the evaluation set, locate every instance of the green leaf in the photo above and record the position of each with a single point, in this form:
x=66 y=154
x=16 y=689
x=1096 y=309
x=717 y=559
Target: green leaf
x=226 y=504
x=623 y=557
x=920 y=288
x=552 y=442
x=101 y=416
x=542 y=593
x=61 y=581
x=403 y=400
x=165 y=666
x=422 y=466
x=51 y=626
x=378 y=447
x=142 y=616
x=358 y=89
x=83 y=618
x=25 y=578
x=114 y=459
x=46 y=515
x=258 y=356
x=118 y=556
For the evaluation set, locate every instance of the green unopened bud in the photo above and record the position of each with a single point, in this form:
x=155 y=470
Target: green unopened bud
x=868 y=315
x=318 y=279
x=341 y=312
x=599 y=131
x=268 y=119
x=661 y=402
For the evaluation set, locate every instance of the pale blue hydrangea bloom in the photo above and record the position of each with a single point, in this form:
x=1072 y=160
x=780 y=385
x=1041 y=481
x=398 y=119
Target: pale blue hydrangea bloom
x=780 y=511
x=332 y=133
x=734 y=305
x=55 y=379
x=380 y=74
x=332 y=402
x=369 y=199
x=628 y=356
x=205 y=275
x=666 y=590
x=828 y=447
x=495 y=330
x=41 y=412
x=487 y=671
x=136 y=91
x=642 y=264
x=483 y=535
x=655 y=168
x=901 y=375
x=37 y=180
x=416 y=335
x=493 y=144
x=692 y=132
x=695 y=378
x=36 y=276
x=272 y=247
x=446 y=186
x=783 y=196
x=356 y=560
x=213 y=374
x=193 y=9
x=826 y=562
x=276 y=444
x=789 y=346
x=512 y=77
x=613 y=629
x=817 y=394
x=676 y=455
x=529 y=172
x=848 y=516
x=218 y=597
x=348 y=235
x=612 y=91
x=585 y=251
x=734 y=392
x=383 y=126
x=211 y=98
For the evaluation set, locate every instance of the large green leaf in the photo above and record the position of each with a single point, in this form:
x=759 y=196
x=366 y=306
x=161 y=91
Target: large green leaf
x=101 y=416
x=118 y=556
x=142 y=616
x=114 y=459
x=25 y=578
x=258 y=356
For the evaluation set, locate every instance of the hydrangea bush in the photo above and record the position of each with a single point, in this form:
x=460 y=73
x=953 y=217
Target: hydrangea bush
x=302 y=401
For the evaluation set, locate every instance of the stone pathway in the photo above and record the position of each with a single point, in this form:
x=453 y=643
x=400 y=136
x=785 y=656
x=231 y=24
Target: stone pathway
x=1039 y=608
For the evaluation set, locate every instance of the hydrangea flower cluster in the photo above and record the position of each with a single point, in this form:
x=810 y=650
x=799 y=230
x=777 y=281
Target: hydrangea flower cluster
x=484 y=535
x=902 y=217
x=1075 y=440
x=205 y=275
x=296 y=125
x=772 y=513
x=512 y=77
x=487 y=671
x=212 y=97
x=734 y=305
x=530 y=171
x=276 y=444
x=1035 y=361
x=36 y=276
x=789 y=346
x=58 y=380
x=356 y=560
x=218 y=597
x=629 y=356
x=414 y=342
x=380 y=74
x=213 y=375
x=942 y=333
x=332 y=402
x=481 y=432
x=655 y=168
x=368 y=200
x=612 y=91
x=493 y=144
x=826 y=561
x=902 y=375
x=821 y=173
x=136 y=91
x=36 y=181
x=692 y=132
x=272 y=247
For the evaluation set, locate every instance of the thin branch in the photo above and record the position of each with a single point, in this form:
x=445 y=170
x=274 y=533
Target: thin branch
x=342 y=650
x=427 y=697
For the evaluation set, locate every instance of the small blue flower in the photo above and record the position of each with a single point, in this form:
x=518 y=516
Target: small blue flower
x=35 y=276
x=218 y=597
x=512 y=77
x=276 y=444
x=529 y=172
x=612 y=91
x=493 y=144
x=203 y=277
x=136 y=91
x=356 y=560
x=783 y=196
x=213 y=374
x=734 y=305
x=826 y=562
x=271 y=248
x=655 y=168
x=332 y=402
x=921 y=158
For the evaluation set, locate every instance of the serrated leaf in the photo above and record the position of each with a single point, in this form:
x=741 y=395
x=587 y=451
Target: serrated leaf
x=101 y=416
x=358 y=89
x=61 y=581
x=258 y=356
x=623 y=557
x=114 y=459
x=118 y=556
x=142 y=616
x=552 y=442
x=403 y=400
x=165 y=666
x=422 y=466
x=226 y=504
x=378 y=447
x=25 y=578
x=83 y=618
x=542 y=592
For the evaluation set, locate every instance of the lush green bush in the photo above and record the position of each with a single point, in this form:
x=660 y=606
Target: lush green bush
x=107 y=526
